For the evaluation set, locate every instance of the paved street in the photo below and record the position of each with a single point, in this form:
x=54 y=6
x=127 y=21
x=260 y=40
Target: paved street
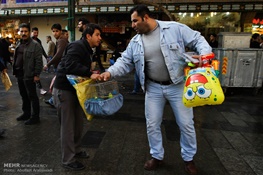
x=230 y=137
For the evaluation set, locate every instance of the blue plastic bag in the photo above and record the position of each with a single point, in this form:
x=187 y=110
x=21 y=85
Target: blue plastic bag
x=99 y=106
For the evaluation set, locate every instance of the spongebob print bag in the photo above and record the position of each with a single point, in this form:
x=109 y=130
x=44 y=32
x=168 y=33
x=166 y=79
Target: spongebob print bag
x=202 y=87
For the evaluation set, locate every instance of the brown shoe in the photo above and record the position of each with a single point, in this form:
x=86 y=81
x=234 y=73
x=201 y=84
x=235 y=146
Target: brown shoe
x=152 y=164
x=190 y=167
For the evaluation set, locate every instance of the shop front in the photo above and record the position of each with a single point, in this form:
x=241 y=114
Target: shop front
x=9 y=29
x=211 y=22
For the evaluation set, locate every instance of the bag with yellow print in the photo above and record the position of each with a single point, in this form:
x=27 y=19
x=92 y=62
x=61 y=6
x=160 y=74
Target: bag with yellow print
x=83 y=90
x=6 y=80
x=202 y=87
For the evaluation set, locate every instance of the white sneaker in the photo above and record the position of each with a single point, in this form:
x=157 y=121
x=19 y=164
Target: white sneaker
x=42 y=91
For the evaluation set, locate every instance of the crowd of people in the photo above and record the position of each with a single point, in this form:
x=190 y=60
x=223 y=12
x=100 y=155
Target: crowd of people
x=160 y=43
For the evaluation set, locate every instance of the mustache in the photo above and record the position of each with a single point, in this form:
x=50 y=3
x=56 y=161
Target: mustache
x=23 y=35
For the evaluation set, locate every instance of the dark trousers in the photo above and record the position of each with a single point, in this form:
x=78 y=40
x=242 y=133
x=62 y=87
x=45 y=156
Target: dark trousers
x=27 y=90
x=71 y=117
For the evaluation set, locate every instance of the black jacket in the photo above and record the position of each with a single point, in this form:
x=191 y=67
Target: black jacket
x=39 y=41
x=75 y=61
x=2 y=60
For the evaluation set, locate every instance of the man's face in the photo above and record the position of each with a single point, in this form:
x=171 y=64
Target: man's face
x=81 y=26
x=95 y=39
x=34 y=34
x=56 y=33
x=66 y=35
x=212 y=38
x=47 y=38
x=24 y=33
x=139 y=24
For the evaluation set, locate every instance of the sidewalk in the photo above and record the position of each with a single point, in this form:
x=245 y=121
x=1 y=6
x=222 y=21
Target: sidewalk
x=230 y=138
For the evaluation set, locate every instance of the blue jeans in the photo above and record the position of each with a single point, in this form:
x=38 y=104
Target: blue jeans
x=155 y=100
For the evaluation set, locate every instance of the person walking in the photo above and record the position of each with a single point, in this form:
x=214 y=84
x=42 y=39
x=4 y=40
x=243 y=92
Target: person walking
x=61 y=44
x=34 y=36
x=74 y=62
x=156 y=54
x=27 y=68
x=50 y=47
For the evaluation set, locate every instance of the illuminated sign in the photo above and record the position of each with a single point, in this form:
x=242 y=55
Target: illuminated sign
x=3 y=1
x=257 y=26
x=257 y=21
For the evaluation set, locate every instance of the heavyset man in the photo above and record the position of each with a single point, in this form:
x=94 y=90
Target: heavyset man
x=156 y=54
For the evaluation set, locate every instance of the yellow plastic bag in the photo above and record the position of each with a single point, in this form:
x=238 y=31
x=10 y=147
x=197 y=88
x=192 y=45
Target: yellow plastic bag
x=202 y=87
x=6 y=81
x=83 y=92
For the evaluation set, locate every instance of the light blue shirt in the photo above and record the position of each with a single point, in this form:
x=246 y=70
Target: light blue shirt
x=174 y=37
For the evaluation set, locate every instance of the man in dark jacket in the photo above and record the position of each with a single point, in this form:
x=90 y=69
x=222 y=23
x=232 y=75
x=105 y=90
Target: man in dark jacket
x=35 y=37
x=27 y=68
x=75 y=61
x=82 y=24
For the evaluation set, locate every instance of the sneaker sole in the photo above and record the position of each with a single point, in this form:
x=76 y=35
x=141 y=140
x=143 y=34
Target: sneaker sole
x=74 y=169
x=83 y=157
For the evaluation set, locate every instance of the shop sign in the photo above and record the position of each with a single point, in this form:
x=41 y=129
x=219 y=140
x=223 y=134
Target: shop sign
x=33 y=1
x=3 y=2
x=257 y=26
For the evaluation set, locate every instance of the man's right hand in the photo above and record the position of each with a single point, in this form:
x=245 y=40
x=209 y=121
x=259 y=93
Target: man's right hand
x=105 y=76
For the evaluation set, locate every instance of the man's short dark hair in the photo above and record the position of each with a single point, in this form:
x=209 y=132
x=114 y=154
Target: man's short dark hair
x=141 y=10
x=213 y=34
x=255 y=35
x=22 y=25
x=84 y=21
x=90 y=29
x=34 y=29
x=64 y=30
x=49 y=37
x=56 y=26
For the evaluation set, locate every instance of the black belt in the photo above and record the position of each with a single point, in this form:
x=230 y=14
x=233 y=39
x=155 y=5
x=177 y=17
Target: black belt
x=161 y=82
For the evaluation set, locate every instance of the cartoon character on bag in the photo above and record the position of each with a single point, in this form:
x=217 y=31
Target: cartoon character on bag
x=202 y=86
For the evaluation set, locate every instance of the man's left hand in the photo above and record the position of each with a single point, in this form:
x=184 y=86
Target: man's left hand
x=36 y=78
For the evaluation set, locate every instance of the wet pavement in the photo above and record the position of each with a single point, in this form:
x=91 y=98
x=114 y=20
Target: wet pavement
x=230 y=137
